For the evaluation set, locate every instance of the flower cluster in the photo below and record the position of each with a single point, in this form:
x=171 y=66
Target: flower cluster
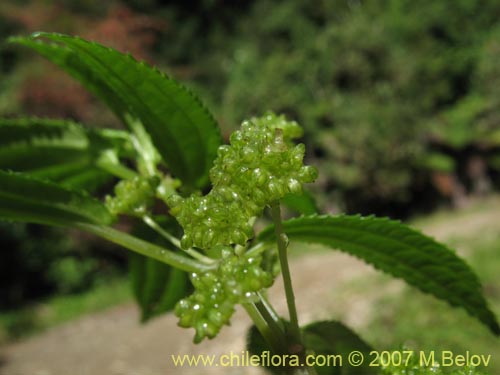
x=133 y=197
x=212 y=304
x=260 y=166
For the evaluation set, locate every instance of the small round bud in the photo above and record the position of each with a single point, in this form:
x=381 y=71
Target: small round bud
x=248 y=155
x=236 y=138
x=238 y=237
x=274 y=189
x=174 y=200
x=208 y=238
x=308 y=174
x=294 y=186
x=186 y=242
x=259 y=176
x=223 y=151
x=215 y=317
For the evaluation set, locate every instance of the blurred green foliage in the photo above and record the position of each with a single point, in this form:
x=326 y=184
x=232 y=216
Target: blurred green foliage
x=390 y=93
x=38 y=261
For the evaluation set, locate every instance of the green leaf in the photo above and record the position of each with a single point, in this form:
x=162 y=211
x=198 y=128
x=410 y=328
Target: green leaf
x=29 y=199
x=322 y=340
x=182 y=130
x=81 y=178
x=330 y=338
x=400 y=251
x=58 y=150
x=157 y=287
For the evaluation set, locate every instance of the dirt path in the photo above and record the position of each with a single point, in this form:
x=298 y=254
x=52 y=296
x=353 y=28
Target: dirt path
x=114 y=343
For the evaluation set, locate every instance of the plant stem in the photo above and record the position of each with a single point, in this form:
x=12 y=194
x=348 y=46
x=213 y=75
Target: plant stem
x=150 y=222
x=142 y=143
x=275 y=338
x=146 y=248
x=110 y=163
x=257 y=249
x=272 y=331
x=282 y=242
x=175 y=241
x=276 y=328
x=270 y=309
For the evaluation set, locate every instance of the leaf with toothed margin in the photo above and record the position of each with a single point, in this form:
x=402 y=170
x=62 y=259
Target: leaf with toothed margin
x=399 y=250
x=325 y=338
x=28 y=199
x=59 y=150
x=181 y=129
x=330 y=341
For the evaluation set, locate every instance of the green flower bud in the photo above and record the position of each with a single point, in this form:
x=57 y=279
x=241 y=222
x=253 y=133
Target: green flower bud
x=294 y=186
x=238 y=237
x=186 y=242
x=259 y=176
x=174 y=200
x=249 y=155
x=222 y=151
x=274 y=189
x=216 y=317
x=308 y=174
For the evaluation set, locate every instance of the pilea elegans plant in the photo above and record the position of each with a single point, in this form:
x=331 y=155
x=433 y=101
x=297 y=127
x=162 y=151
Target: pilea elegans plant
x=197 y=201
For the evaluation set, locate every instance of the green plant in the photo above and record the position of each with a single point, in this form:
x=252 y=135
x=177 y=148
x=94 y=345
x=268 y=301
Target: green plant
x=208 y=258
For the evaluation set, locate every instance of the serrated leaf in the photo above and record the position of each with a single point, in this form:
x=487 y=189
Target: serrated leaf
x=182 y=130
x=329 y=338
x=400 y=251
x=28 y=199
x=59 y=150
x=322 y=340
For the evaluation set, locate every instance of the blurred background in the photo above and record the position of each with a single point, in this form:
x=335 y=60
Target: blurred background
x=400 y=101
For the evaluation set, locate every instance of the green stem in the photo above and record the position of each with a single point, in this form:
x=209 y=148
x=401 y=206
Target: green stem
x=269 y=308
x=275 y=339
x=146 y=248
x=257 y=249
x=143 y=145
x=275 y=327
x=282 y=242
x=116 y=169
x=150 y=222
x=272 y=331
